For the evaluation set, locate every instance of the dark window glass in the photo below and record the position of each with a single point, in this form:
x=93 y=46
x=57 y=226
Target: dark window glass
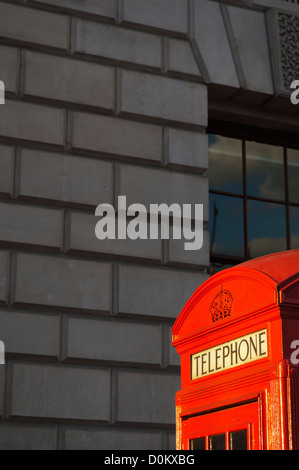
x=260 y=216
x=294 y=227
x=266 y=228
x=225 y=164
x=293 y=175
x=226 y=225
x=238 y=440
x=197 y=444
x=265 y=171
x=217 y=442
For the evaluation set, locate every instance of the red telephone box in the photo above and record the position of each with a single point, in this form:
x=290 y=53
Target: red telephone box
x=238 y=339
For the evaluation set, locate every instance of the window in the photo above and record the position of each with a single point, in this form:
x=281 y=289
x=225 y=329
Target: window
x=235 y=427
x=234 y=440
x=254 y=197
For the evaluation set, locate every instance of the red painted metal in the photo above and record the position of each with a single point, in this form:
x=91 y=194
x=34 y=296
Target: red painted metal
x=260 y=296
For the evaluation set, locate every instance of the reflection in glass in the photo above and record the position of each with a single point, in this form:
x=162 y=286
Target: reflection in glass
x=226 y=225
x=238 y=440
x=266 y=228
x=294 y=227
x=217 y=442
x=293 y=175
x=265 y=171
x=225 y=164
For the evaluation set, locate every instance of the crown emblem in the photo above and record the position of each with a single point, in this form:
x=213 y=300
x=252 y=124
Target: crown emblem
x=221 y=305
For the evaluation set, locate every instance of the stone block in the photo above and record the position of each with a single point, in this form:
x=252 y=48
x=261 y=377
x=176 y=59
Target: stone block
x=179 y=57
x=186 y=149
x=129 y=342
x=2 y=390
x=104 y=8
x=155 y=292
x=32 y=122
x=9 y=59
x=31 y=225
x=4 y=275
x=63 y=282
x=177 y=254
x=83 y=238
x=6 y=169
x=114 y=136
x=167 y=186
x=70 y=80
x=68 y=178
x=28 y=333
x=162 y=98
x=250 y=33
x=115 y=43
x=21 y=24
x=147 y=397
x=111 y=439
x=15 y=436
x=211 y=40
x=58 y=392
x=167 y=15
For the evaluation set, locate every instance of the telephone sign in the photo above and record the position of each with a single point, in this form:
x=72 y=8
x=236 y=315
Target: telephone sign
x=230 y=354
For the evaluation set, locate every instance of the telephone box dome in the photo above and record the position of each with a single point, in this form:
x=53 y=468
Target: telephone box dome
x=238 y=339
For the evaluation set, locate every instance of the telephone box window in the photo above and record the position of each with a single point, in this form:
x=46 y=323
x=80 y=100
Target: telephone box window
x=217 y=442
x=234 y=440
x=198 y=443
x=238 y=440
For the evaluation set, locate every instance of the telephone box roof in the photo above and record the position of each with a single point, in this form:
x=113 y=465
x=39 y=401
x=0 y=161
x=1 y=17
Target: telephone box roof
x=279 y=266
x=255 y=285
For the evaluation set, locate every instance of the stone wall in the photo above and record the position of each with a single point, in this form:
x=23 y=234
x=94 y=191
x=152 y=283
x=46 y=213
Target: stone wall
x=102 y=99
x=107 y=98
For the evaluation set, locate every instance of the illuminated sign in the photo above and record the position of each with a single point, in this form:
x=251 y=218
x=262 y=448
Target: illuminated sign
x=230 y=354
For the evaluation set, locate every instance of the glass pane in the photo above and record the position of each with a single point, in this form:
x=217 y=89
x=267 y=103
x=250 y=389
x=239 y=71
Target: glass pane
x=266 y=228
x=217 y=442
x=294 y=227
x=226 y=225
x=238 y=440
x=197 y=444
x=265 y=171
x=225 y=164
x=293 y=174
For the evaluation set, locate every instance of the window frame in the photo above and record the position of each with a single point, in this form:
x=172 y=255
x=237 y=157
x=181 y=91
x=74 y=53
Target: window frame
x=266 y=136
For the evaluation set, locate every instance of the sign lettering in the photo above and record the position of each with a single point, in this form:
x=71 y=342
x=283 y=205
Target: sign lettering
x=230 y=354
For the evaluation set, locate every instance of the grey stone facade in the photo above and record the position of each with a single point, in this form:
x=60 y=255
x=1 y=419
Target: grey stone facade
x=108 y=98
